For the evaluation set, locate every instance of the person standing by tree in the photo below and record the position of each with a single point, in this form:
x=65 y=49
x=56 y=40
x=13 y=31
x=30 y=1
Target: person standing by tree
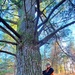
x=49 y=70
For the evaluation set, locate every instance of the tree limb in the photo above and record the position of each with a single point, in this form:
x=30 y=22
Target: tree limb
x=8 y=52
x=13 y=43
x=43 y=41
x=60 y=3
x=39 y=32
x=6 y=31
x=37 y=18
x=9 y=27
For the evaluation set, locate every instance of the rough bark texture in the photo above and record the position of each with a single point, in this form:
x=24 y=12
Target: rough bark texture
x=28 y=54
x=28 y=60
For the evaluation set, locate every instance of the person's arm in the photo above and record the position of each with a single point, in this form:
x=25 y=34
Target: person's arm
x=52 y=73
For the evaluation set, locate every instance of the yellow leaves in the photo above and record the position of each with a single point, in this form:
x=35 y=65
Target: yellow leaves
x=10 y=62
x=8 y=38
x=14 y=26
x=0 y=60
x=42 y=6
x=15 y=13
x=15 y=16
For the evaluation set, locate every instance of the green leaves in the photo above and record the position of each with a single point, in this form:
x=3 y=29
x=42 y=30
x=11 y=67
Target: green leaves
x=18 y=3
x=1 y=2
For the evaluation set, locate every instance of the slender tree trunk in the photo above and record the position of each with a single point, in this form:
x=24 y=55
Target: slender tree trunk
x=28 y=54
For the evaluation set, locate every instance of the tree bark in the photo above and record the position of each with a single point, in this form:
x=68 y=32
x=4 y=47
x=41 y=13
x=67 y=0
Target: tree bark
x=28 y=60
x=28 y=54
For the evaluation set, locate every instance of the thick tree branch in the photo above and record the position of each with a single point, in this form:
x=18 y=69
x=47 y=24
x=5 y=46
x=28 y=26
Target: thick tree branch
x=6 y=31
x=37 y=18
x=42 y=28
x=43 y=41
x=26 y=14
x=38 y=7
x=8 y=52
x=60 y=3
x=13 y=43
x=9 y=27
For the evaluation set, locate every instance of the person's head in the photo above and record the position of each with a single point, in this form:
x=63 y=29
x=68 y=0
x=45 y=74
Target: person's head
x=48 y=65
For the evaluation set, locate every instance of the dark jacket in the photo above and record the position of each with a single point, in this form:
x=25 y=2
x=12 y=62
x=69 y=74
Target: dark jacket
x=49 y=72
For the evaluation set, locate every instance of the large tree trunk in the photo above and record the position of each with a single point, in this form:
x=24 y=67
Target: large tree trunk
x=28 y=60
x=28 y=54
